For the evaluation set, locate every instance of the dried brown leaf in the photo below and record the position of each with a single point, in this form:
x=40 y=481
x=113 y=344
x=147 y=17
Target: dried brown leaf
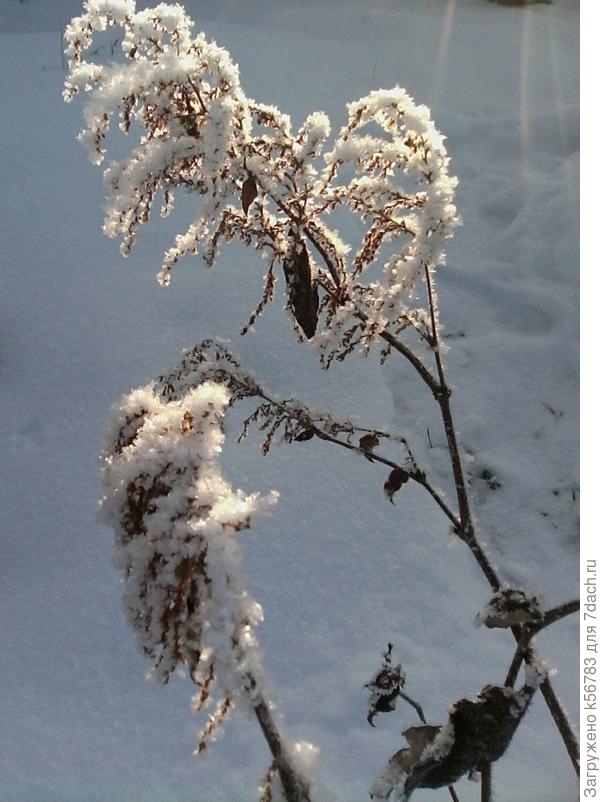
x=249 y=193
x=303 y=436
x=302 y=289
x=397 y=478
x=368 y=442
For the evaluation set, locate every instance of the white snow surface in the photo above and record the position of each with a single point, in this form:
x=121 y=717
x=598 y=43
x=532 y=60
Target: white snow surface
x=338 y=571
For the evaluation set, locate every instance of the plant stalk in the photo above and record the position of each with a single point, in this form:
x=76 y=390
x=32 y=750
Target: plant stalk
x=468 y=533
x=441 y=392
x=529 y=631
x=295 y=788
x=486 y=782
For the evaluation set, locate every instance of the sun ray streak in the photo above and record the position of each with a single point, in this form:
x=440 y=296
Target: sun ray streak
x=442 y=56
x=562 y=112
x=524 y=93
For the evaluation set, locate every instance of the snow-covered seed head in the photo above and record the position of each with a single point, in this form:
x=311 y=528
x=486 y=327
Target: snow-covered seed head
x=175 y=519
x=258 y=180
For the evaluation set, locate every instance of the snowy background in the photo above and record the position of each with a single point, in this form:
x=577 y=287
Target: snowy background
x=338 y=570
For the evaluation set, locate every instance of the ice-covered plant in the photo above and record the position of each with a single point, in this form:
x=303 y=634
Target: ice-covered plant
x=257 y=179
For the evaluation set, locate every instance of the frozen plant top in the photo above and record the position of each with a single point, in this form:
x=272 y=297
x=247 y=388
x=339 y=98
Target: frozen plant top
x=176 y=520
x=258 y=179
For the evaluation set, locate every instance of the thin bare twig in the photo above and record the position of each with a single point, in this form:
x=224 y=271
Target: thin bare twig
x=562 y=723
x=416 y=475
x=414 y=704
x=466 y=531
x=413 y=359
x=519 y=656
x=556 y=613
x=525 y=652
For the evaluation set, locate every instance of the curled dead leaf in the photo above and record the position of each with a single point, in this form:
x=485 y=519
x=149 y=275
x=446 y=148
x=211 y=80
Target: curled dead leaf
x=477 y=732
x=385 y=687
x=368 y=442
x=397 y=478
x=306 y=434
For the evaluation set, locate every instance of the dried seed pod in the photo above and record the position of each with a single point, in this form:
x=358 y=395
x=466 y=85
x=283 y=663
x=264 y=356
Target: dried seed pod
x=249 y=193
x=304 y=435
x=302 y=289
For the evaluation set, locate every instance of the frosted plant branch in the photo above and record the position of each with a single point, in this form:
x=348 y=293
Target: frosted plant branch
x=295 y=787
x=292 y=419
x=258 y=180
x=176 y=522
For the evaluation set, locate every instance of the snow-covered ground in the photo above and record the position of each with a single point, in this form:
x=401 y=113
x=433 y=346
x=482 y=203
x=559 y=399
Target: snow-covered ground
x=338 y=570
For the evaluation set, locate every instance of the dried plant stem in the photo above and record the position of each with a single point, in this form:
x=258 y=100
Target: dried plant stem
x=463 y=524
x=417 y=475
x=486 y=782
x=295 y=787
x=556 y=613
x=414 y=704
x=562 y=722
x=519 y=656
x=529 y=631
x=453 y=795
x=442 y=397
x=413 y=359
x=467 y=532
